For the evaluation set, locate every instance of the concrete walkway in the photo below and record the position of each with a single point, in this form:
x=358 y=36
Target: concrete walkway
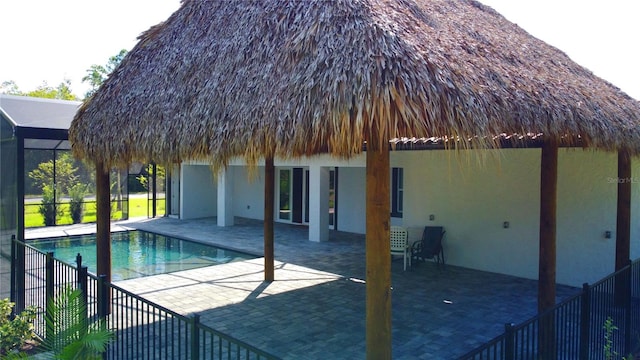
x=316 y=307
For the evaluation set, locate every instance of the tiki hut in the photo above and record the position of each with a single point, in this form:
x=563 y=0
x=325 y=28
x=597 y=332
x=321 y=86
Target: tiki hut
x=262 y=79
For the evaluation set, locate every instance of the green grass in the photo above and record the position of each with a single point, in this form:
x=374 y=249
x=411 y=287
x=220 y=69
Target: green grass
x=137 y=208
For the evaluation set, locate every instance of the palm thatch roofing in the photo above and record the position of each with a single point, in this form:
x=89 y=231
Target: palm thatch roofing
x=220 y=79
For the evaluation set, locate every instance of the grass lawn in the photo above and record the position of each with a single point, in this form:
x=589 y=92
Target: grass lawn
x=137 y=208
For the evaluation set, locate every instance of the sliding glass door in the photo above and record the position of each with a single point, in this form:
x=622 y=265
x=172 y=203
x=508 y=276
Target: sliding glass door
x=293 y=196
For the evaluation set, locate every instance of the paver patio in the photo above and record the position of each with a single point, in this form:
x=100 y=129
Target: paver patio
x=316 y=307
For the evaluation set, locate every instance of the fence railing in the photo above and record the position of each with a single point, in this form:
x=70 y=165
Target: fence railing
x=602 y=320
x=143 y=329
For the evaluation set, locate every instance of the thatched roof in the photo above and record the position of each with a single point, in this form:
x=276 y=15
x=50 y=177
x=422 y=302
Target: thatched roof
x=246 y=78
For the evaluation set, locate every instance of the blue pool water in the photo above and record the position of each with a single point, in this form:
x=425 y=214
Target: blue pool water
x=139 y=253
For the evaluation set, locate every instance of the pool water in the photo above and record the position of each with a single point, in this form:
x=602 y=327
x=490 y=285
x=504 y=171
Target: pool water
x=138 y=253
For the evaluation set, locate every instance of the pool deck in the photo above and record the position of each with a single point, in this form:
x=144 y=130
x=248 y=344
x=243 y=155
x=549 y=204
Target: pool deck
x=315 y=309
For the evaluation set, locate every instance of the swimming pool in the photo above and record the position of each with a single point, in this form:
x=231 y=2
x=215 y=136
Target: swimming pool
x=139 y=253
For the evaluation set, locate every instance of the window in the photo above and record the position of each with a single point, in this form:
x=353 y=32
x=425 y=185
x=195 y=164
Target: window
x=397 y=189
x=284 y=195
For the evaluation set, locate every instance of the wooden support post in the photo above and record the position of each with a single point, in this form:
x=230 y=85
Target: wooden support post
x=378 y=250
x=623 y=223
x=269 y=184
x=103 y=222
x=623 y=227
x=548 y=199
x=547 y=256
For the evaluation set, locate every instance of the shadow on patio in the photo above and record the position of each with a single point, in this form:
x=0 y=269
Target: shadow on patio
x=316 y=307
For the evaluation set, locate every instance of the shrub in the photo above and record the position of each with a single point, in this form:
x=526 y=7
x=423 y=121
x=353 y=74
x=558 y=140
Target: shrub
x=15 y=333
x=48 y=209
x=70 y=333
x=76 y=195
x=609 y=328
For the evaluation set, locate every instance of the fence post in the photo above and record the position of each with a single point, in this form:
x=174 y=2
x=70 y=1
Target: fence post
x=18 y=277
x=627 y=308
x=585 y=321
x=12 y=293
x=509 y=341
x=195 y=337
x=49 y=282
x=103 y=299
x=83 y=279
x=104 y=305
x=83 y=283
x=547 y=346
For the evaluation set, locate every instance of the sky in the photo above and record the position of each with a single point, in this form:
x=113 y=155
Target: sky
x=54 y=40
x=46 y=40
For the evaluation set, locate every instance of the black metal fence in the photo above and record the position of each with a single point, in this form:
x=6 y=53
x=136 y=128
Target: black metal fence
x=143 y=329
x=602 y=322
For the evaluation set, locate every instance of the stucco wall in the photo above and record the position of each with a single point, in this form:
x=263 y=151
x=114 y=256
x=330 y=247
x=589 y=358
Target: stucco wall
x=199 y=192
x=473 y=195
x=587 y=198
x=248 y=194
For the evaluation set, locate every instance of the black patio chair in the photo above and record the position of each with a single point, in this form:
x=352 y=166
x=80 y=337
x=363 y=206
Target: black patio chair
x=430 y=247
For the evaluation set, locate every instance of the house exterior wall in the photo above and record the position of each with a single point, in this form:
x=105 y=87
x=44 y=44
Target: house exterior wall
x=248 y=194
x=587 y=207
x=249 y=189
x=198 y=196
x=473 y=193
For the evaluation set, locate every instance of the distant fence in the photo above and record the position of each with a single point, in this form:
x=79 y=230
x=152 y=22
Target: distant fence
x=143 y=329
x=575 y=328
x=63 y=216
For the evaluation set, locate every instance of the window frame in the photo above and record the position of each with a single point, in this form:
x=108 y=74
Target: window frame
x=397 y=192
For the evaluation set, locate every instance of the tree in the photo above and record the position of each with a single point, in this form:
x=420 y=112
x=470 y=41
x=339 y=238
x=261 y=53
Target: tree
x=76 y=193
x=49 y=207
x=147 y=172
x=65 y=172
x=65 y=179
x=62 y=91
x=97 y=74
x=9 y=87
